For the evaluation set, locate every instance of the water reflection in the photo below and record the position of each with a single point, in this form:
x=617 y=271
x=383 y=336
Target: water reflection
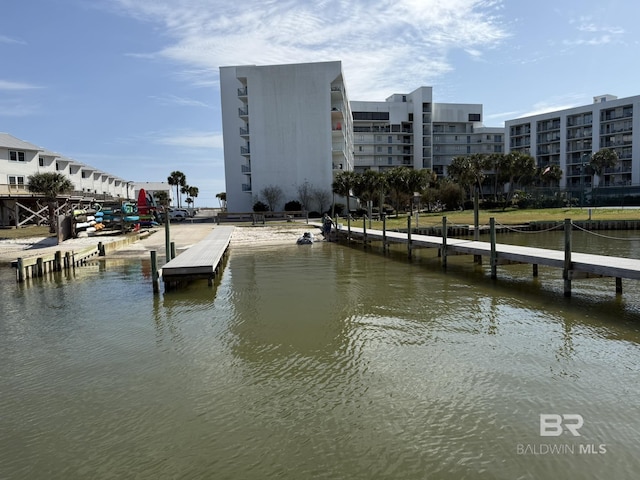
x=322 y=362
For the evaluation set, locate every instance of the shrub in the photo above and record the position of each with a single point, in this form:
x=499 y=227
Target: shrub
x=260 y=207
x=292 y=206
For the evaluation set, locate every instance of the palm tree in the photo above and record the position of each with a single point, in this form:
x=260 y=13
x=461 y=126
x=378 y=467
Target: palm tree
x=370 y=187
x=184 y=190
x=521 y=168
x=161 y=197
x=50 y=185
x=177 y=179
x=222 y=199
x=193 y=193
x=602 y=159
x=344 y=182
x=398 y=182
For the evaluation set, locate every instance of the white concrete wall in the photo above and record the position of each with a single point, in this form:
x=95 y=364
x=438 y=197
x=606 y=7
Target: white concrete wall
x=290 y=129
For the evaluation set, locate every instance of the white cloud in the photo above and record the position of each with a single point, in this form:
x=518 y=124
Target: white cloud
x=7 y=85
x=383 y=45
x=554 y=104
x=191 y=140
x=5 y=39
x=169 y=100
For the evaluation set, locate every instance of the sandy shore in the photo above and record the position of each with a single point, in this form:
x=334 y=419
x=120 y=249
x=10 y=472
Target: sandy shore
x=183 y=235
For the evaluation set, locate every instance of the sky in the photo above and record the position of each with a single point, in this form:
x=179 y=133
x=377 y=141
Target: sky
x=132 y=86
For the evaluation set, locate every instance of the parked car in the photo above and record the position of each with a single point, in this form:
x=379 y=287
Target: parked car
x=175 y=214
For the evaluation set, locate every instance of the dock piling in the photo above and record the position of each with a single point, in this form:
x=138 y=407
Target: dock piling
x=154 y=272
x=566 y=273
x=494 y=257
x=444 y=242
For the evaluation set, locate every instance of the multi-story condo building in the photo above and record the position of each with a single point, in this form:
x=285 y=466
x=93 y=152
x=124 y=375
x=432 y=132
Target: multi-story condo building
x=285 y=126
x=20 y=159
x=569 y=137
x=411 y=130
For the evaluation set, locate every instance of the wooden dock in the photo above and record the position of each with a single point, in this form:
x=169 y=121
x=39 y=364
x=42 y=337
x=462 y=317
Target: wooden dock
x=574 y=265
x=202 y=260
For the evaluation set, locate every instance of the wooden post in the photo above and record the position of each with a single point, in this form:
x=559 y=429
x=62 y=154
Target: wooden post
x=154 y=271
x=566 y=272
x=409 y=237
x=618 y=286
x=364 y=231
x=476 y=224
x=101 y=249
x=494 y=257
x=20 y=271
x=167 y=236
x=535 y=269
x=384 y=232
x=443 y=259
x=173 y=250
x=67 y=260
x=39 y=267
x=57 y=262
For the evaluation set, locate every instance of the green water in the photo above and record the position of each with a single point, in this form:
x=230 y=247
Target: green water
x=320 y=362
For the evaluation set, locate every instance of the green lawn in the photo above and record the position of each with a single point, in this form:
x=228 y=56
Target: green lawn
x=507 y=217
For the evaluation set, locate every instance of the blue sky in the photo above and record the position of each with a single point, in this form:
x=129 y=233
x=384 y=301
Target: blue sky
x=131 y=86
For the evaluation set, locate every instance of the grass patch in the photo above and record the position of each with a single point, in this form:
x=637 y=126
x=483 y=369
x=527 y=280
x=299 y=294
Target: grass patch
x=507 y=217
x=25 y=232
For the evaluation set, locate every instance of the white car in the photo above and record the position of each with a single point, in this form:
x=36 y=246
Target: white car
x=176 y=214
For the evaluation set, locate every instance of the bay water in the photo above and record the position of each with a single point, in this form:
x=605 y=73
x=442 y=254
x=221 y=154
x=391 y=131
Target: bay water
x=322 y=361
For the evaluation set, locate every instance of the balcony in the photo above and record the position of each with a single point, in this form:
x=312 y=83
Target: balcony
x=242 y=92
x=246 y=187
x=246 y=169
x=245 y=151
x=243 y=112
x=244 y=132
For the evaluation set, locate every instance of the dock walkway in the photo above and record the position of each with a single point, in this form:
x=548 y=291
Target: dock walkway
x=202 y=260
x=574 y=265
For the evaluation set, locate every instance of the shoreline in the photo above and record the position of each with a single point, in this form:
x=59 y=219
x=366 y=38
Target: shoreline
x=183 y=235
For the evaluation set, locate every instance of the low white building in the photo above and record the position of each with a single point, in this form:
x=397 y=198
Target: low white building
x=20 y=159
x=153 y=187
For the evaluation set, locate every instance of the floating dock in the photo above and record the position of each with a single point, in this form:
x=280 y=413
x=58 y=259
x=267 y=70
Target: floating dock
x=202 y=260
x=574 y=265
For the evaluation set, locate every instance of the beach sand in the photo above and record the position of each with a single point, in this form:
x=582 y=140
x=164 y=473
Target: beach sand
x=183 y=234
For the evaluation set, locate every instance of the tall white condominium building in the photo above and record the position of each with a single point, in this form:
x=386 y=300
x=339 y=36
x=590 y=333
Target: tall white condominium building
x=569 y=137
x=410 y=130
x=284 y=126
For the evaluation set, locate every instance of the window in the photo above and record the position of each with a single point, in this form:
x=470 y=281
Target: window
x=41 y=161
x=16 y=156
x=16 y=180
x=85 y=174
x=474 y=117
x=389 y=139
x=379 y=149
x=360 y=148
x=389 y=150
x=389 y=160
